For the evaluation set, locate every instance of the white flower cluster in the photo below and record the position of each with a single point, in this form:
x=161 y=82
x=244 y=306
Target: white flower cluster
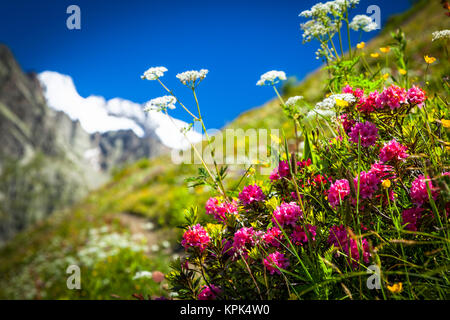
x=326 y=107
x=330 y=102
x=154 y=73
x=316 y=29
x=293 y=101
x=100 y=246
x=439 y=35
x=142 y=274
x=161 y=103
x=363 y=22
x=272 y=77
x=334 y=7
x=192 y=78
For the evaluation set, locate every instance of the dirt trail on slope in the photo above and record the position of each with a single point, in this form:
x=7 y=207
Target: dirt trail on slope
x=141 y=226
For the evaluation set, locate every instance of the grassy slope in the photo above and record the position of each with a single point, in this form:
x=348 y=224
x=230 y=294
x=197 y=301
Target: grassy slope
x=156 y=190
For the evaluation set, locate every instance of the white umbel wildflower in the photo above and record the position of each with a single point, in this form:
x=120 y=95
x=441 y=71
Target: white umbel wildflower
x=316 y=29
x=271 y=77
x=330 y=102
x=161 y=103
x=293 y=101
x=322 y=9
x=142 y=274
x=154 y=73
x=363 y=22
x=441 y=35
x=192 y=78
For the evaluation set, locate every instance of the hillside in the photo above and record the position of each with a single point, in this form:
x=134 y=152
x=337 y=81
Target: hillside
x=47 y=160
x=154 y=193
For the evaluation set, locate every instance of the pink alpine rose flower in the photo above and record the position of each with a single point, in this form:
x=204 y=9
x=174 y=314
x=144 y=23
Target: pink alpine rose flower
x=367 y=132
x=280 y=172
x=419 y=193
x=382 y=171
x=368 y=184
x=209 y=292
x=273 y=237
x=251 y=194
x=416 y=96
x=392 y=97
x=196 y=236
x=274 y=260
x=411 y=217
x=299 y=236
x=338 y=191
x=393 y=151
x=287 y=214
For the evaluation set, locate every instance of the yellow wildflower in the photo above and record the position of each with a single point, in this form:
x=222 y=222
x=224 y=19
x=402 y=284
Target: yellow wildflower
x=386 y=183
x=251 y=171
x=429 y=60
x=396 y=287
x=361 y=45
x=402 y=71
x=445 y=123
x=385 y=49
x=385 y=76
x=342 y=103
x=375 y=55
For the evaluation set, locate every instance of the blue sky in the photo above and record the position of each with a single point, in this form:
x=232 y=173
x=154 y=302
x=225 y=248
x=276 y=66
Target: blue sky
x=236 y=40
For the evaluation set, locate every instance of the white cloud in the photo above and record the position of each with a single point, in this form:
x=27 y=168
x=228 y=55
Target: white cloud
x=98 y=115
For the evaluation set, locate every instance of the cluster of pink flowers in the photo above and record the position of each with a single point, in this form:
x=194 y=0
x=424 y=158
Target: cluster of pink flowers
x=419 y=193
x=220 y=210
x=392 y=97
x=347 y=123
x=339 y=237
x=251 y=194
x=195 y=236
x=382 y=171
x=274 y=260
x=304 y=163
x=280 y=172
x=209 y=292
x=243 y=237
x=416 y=96
x=299 y=236
x=338 y=191
x=368 y=184
x=368 y=103
x=367 y=132
x=411 y=218
x=273 y=237
x=287 y=214
x=393 y=151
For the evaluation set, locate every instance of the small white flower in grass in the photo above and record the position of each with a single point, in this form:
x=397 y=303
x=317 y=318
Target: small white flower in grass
x=272 y=77
x=161 y=103
x=192 y=78
x=142 y=274
x=293 y=101
x=441 y=35
x=154 y=73
x=363 y=22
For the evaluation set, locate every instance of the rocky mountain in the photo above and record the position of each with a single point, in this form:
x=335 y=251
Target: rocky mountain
x=47 y=160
